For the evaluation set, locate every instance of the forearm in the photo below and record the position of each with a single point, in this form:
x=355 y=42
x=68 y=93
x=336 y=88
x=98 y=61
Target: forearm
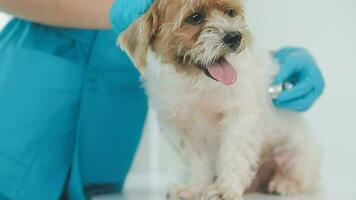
x=90 y=14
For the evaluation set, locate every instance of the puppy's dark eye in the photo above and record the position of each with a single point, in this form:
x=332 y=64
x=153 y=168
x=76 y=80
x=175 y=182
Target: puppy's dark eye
x=196 y=18
x=231 y=13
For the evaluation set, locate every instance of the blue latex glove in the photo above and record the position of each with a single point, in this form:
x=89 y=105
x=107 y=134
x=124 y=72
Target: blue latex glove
x=298 y=67
x=124 y=12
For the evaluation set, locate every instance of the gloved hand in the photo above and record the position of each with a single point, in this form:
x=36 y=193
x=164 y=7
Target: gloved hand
x=124 y=12
x=298 y=67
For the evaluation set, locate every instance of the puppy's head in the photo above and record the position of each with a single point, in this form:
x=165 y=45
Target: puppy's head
x=194 y=36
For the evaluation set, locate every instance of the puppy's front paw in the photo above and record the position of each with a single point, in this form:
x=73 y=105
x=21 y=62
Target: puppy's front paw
x=284 y=186
x=220 y=192
x=183 y=193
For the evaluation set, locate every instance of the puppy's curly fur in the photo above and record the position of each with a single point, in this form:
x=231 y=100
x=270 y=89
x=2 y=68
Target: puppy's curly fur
x=234 y=139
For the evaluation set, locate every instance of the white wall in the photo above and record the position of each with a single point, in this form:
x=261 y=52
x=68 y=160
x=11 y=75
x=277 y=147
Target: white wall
x=3 y=20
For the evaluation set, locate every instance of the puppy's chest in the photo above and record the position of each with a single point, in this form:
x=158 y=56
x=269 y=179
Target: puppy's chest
x=194 y=111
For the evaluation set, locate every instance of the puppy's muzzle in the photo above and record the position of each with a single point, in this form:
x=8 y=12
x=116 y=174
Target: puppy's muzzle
x=233 y=39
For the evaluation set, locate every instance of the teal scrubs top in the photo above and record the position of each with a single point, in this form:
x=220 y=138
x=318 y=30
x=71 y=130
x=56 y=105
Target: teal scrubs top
x=71 y=112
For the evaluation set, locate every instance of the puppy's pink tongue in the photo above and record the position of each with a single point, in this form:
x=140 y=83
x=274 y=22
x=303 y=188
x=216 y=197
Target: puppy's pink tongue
x=223 y=71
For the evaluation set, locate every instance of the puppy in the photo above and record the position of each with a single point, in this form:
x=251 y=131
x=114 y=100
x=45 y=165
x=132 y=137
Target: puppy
x=210 y=89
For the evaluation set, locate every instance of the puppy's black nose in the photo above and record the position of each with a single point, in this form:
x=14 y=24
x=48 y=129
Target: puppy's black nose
x=233 y=39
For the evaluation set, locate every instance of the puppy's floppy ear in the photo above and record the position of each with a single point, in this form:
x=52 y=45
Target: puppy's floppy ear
x=136 y=39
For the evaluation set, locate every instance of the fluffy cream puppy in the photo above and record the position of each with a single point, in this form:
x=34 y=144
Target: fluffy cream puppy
x=210 y=89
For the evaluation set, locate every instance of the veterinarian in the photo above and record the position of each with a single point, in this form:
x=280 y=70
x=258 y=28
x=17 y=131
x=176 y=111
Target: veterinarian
x=71 y=105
